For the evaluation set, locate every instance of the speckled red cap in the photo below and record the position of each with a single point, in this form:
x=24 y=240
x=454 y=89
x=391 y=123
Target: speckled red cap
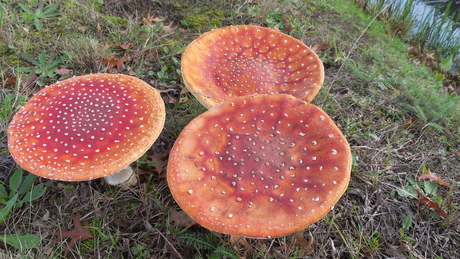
x=259 y=166
x=243 y=60
x=86 y=127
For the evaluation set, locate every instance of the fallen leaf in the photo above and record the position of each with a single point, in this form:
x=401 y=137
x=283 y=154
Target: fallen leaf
x=430 y=60
x=168 y=28
x=432 y=177
x=142 y=172
x=430 y=204
x=174 y=100
x=152 y=52
x=115 y=62
x=9 y=82
x=321 y=46
x=183 y=99
x=82 y=28
x=125 y=46
x=237 y=239
x=41 y=221
x=407 y=123
x=152 y=22
x=299 y=240
x=286 y=19
x=161 y=161
x=181 y=219
x=123 y=223
x=31 y=79
x=63 y=71
x=78 y=233
x=413 y=51
x=149 y=19
x=288 y=26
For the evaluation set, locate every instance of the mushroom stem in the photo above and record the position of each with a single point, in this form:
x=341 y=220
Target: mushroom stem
x=125 y=177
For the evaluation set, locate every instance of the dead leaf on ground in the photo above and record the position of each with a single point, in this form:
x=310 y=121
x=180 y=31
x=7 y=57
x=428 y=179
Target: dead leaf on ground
x=78 y=233
x=150 y=18
x=152 y=22
x=288 y=26
x=115 y=62
x=82 y=29
x=236 y=239
x=321 y=46
x=9 y=82
x=29 y=81
x=414 y=52
x=175 y=100
x=153 y=53
x=63 y=71
x=432 y=177
x=41 y=221
x=125 y=46
x=169 y=28
x=299 y=240
x=161 y=161
x=123 y=223
x=181 y=219
x=430 y=204
x=407 y=123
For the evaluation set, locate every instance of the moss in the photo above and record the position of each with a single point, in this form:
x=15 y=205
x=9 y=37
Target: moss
x=68 y=188
x=204 y=22
x=117 y=20
x=13 y=61
x=9 y=58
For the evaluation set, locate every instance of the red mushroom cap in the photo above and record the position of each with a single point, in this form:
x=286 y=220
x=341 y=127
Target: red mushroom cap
x=86 y=127
x=259 y=166
x=243 y=60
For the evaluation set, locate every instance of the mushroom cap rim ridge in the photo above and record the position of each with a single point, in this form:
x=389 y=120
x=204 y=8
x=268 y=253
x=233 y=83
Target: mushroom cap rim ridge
x=128 y=88
x=200 y=90
x=173 y=175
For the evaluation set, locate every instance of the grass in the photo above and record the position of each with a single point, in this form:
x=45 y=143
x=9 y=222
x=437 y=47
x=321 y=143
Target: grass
x=435 y=32
x=394 y=110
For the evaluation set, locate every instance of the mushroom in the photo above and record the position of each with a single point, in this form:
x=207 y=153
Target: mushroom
x=87 y=127
x=259 y=166
x=243 y=60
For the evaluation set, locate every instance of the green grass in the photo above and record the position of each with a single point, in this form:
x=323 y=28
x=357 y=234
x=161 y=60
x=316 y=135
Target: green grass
x=393 y=110
x=434 y=33
x=416 y=90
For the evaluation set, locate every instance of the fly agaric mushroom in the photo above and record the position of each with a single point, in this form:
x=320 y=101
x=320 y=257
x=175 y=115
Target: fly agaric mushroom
x=87 y=127
x=243 y=60
x=259 y=166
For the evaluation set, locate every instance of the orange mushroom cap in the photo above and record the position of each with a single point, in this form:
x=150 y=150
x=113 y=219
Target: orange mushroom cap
x=259 y=166
x=243 y=60
x=86 y=127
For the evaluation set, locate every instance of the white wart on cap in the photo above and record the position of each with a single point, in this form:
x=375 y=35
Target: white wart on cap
x=259 y=166
x=86 y=127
